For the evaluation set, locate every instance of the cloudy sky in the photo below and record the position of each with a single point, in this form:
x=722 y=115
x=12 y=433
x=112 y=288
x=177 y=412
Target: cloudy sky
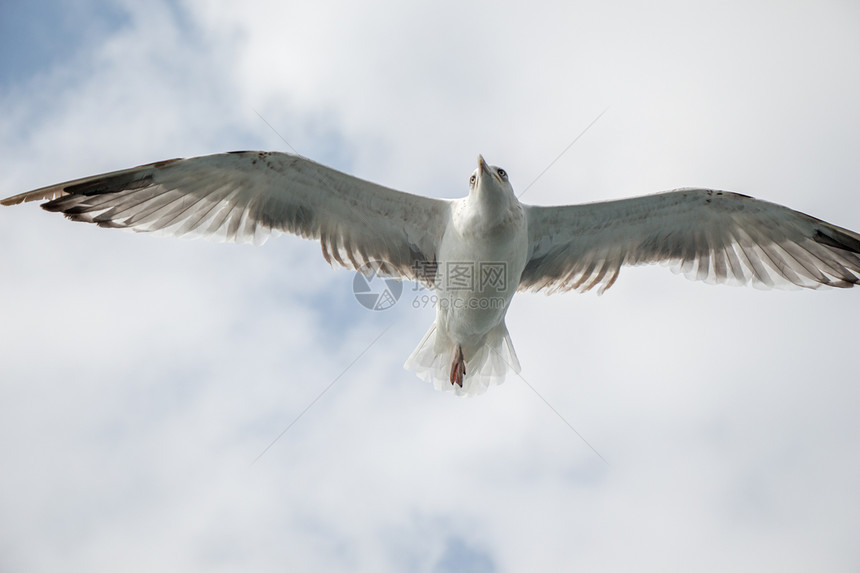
x=141 y=377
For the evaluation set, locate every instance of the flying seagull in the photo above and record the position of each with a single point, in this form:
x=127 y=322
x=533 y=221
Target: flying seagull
x=477 y=251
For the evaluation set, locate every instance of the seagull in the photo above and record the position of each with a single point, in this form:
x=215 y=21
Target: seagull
x=476 y=252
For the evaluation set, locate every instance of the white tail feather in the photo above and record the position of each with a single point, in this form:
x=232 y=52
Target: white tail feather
x=486 y=365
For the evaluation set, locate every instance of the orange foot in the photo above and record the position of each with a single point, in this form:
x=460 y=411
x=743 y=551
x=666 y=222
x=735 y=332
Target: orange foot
x=458 y=368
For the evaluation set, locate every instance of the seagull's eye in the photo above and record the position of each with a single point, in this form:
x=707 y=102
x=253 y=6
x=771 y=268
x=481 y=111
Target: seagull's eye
x=502 y=173
x=472 y=179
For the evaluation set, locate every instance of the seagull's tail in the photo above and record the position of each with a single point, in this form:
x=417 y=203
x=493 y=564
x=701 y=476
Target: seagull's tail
x=486 y=365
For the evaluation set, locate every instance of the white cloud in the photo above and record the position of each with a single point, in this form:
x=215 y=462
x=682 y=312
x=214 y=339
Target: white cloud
x=140 y=376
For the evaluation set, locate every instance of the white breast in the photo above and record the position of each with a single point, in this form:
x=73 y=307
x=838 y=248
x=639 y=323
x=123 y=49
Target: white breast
x=481 y=258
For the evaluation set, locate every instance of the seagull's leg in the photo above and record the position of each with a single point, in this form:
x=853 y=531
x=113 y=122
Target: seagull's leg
x=458 y=368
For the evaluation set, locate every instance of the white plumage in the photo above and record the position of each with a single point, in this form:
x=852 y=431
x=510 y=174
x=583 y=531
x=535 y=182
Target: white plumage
x=715 y=236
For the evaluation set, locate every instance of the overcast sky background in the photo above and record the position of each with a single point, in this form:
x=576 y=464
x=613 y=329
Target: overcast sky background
x=140 y=377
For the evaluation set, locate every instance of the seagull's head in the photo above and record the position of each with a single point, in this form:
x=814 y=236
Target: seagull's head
x=490 y=180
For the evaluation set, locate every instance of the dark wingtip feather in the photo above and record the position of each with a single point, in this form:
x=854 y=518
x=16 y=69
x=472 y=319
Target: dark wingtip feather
x=16 y=200
x=111 y=184
x=838 y=240
x=52 y=206
x=109 y=224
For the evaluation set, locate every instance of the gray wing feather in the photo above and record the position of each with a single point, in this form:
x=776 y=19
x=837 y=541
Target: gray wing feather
x=707 y=235
x=244 y=196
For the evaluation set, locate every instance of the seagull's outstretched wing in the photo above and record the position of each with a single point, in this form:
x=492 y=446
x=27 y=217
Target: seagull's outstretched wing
x=243 y=196
x=713 y=236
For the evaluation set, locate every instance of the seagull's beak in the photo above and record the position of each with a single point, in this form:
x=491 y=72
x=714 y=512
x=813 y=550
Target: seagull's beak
x=482 y=165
